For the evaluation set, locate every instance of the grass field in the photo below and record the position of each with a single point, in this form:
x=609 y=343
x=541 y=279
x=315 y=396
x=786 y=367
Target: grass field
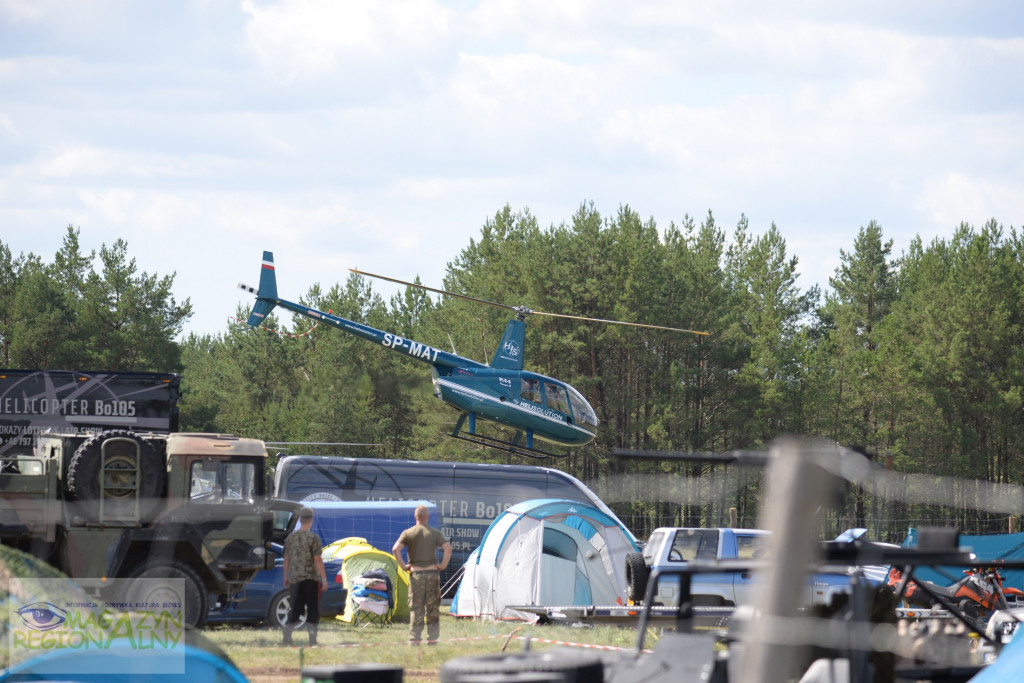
x=259 y=654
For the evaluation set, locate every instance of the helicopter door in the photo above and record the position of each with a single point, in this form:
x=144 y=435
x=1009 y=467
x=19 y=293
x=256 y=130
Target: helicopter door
x=530 y=390
x=556 y=397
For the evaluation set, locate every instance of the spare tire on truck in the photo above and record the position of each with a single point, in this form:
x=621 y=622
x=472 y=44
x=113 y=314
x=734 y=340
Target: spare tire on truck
x=563 y=665
x=352 y=673
x=106 y=471
x=637 y=573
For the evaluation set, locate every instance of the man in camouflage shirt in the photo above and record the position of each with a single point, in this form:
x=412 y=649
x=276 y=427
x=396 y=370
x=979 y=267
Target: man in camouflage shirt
x=421 y=543
x=304 y=576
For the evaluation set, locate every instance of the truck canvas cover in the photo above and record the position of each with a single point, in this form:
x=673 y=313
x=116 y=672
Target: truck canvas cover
x=35 y=401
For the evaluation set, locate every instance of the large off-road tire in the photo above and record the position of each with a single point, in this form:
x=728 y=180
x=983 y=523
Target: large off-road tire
x=277 y=613
x=573 y=667
x=197 y=605
x=637 y=573
x=88 y=483
x=353 y=673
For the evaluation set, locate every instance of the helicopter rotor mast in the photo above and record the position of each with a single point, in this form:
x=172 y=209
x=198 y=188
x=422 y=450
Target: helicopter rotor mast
x=522 y=311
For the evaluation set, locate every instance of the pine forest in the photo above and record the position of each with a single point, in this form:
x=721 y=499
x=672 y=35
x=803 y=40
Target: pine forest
x=915 y=359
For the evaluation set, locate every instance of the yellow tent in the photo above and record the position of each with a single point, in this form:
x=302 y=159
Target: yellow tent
x=359 y=557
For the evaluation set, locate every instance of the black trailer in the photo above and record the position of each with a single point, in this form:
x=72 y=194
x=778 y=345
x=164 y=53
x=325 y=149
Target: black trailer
x=74 y=401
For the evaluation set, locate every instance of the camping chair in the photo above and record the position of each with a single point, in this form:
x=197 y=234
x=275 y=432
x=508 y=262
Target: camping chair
x=373 y=598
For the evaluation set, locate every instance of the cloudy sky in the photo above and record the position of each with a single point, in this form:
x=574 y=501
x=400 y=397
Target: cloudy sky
x=381 y=134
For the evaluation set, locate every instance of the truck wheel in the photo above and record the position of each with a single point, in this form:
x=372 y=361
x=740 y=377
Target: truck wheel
x=277 y=614
x=570 y=667
x=353 y=673
x=637 y=573
x=196 y=605
x=88 y=483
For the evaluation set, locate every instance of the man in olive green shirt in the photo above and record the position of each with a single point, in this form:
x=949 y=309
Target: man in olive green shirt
x=304 y=576
x=421 y=543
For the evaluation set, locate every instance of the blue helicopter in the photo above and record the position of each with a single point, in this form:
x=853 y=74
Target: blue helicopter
x=534 y=406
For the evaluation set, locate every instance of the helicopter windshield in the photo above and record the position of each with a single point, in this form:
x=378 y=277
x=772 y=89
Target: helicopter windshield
x=582 y=411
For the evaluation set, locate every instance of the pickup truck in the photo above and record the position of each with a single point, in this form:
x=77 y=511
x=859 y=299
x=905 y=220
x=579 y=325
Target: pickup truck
x=674 y=547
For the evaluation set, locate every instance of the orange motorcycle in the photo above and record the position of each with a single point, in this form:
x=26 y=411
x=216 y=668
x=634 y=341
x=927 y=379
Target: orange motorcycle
x=979 y=594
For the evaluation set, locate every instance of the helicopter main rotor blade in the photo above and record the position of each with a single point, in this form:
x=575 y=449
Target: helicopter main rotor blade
x=619 y=322
x=522 y=310
x=436 y=291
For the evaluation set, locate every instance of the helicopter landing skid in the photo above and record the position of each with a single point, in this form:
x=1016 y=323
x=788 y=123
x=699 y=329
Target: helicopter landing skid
x=508 y=446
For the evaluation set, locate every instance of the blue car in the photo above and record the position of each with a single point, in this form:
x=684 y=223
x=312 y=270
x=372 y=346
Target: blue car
x=265 y=599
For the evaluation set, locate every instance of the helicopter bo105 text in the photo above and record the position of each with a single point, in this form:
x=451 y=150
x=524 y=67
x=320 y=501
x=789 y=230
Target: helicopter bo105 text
x=533 y=405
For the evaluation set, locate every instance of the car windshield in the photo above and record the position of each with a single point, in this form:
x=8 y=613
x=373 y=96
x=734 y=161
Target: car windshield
x=223 y=482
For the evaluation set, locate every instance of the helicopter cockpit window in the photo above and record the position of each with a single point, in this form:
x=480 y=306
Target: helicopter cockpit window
x=530 y=390
x=556 y=398
x=581 y=410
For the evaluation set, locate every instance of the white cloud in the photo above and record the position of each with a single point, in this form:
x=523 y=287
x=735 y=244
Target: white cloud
x=946 y=201
x=8 y=131
x=521 y=92
x=24 y=10
x=141 y=214
x=384 y=133
x=307 y=40
x=80 y=162
x=120 y=167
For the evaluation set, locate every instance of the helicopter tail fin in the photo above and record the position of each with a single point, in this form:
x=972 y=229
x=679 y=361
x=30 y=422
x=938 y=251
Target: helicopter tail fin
x=266 y=296
x=509 y=355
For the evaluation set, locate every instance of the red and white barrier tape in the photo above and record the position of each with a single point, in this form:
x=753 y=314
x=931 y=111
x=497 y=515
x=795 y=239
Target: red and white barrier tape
x=567 y=643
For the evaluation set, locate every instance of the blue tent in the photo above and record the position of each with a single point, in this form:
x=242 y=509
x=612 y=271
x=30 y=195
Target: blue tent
x=985 y=547
x=121 y=663
x=545 y=552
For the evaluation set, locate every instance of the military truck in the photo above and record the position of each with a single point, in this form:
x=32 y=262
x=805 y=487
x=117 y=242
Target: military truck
x=119 y=504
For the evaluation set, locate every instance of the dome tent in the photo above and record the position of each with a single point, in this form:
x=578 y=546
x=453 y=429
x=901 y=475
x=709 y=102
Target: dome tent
x=359 y=557
x=545 y=552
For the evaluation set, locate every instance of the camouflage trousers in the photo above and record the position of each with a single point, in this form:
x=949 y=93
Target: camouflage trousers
x=424 y=604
